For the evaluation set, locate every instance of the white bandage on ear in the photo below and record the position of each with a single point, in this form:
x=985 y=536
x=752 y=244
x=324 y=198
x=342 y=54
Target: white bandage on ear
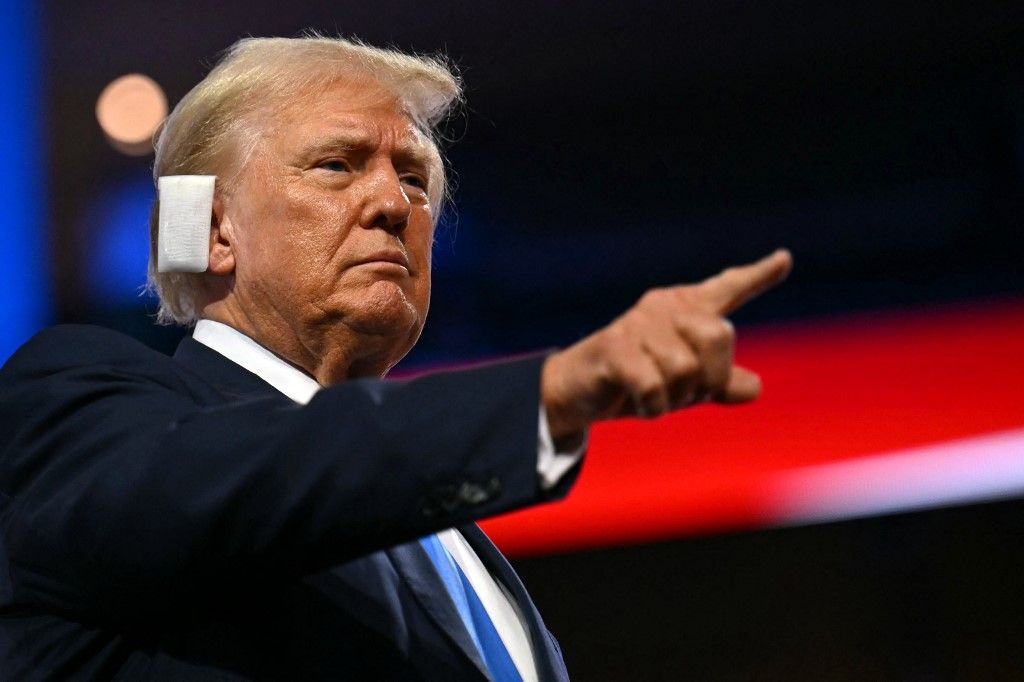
x=183 y=228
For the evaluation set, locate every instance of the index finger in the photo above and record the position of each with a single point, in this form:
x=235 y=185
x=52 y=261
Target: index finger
x=731 y=288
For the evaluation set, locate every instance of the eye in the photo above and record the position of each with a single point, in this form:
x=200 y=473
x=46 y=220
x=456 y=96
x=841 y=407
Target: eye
x=415 y=180
x=336 y=165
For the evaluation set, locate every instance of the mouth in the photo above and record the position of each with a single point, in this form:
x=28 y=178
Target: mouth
x=385 y=257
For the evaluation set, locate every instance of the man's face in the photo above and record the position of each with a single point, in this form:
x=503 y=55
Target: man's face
x=332 y=230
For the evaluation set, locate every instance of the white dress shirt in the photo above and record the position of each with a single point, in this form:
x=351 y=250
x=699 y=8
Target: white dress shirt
x=551 y=466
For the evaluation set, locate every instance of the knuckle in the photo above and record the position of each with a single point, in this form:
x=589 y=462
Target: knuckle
x=617 y=371
x=643 y=383
x=621 y=371
x=698 y=301
x=648 y=388
x=611 y=341
x=654 y=298
x=604 y=372
x=688 y=296
x=684 y=365
x=722 y=332
x=714 y=332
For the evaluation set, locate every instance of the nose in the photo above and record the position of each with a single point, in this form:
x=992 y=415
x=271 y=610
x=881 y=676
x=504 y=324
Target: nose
x=386 y=205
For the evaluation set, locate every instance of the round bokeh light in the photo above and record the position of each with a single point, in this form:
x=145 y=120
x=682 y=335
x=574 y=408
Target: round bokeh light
x=129 y=110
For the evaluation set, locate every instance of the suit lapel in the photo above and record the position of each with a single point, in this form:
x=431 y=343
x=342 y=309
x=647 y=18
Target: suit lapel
x=414 y=566
x=502 y=570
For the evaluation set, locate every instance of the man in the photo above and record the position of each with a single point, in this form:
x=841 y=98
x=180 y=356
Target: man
x=261 y=505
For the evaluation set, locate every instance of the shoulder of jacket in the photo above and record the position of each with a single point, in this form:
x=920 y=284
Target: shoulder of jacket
x=74 y=345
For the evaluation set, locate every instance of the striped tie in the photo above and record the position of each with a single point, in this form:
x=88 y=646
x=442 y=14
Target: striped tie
x=471 y=610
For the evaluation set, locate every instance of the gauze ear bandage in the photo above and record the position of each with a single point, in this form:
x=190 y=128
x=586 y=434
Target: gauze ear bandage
x=183 y=228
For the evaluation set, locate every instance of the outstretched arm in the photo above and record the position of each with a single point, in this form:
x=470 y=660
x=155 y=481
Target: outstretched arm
x=121 y=494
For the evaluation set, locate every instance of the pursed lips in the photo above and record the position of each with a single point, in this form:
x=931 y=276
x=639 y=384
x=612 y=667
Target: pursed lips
x=386 y=256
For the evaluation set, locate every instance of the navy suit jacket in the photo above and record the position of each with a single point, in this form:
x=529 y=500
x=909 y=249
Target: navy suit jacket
x=179 y=519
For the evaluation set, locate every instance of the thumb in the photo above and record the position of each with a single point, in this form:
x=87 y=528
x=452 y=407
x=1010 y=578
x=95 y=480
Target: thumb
x=743 y=387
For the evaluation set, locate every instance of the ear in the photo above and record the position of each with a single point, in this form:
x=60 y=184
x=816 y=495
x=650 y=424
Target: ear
x=222 y=239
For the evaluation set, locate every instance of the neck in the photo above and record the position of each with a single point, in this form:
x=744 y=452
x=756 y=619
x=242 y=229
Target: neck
x=330 y=357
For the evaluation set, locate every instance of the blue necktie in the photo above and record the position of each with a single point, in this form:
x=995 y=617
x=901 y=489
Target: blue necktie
x=472 y=611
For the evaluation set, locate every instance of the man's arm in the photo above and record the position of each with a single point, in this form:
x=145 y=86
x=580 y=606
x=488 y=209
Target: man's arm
x=125 y=497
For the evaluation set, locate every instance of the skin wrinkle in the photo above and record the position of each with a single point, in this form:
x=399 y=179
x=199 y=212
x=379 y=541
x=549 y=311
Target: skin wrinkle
x=294 y=225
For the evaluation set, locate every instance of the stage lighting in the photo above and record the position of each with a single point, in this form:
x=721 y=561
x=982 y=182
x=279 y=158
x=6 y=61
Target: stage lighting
x=129 y=110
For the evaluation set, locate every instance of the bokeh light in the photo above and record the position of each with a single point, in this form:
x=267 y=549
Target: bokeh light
x=129 y=110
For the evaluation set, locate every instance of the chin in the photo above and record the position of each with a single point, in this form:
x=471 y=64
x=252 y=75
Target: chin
x=385 y=310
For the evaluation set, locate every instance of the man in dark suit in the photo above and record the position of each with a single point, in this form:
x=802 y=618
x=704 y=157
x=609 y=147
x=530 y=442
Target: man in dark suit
x=261 y=505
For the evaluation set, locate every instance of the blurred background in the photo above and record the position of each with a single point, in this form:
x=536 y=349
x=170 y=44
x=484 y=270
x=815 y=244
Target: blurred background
x=863 y=520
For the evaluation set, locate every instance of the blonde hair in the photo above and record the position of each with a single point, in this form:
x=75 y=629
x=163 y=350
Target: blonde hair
x=211 y=131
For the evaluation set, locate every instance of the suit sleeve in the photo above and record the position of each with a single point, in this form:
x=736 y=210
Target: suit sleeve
x=122 y=497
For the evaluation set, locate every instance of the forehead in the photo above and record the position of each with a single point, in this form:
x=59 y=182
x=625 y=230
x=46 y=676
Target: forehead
x=350 y=114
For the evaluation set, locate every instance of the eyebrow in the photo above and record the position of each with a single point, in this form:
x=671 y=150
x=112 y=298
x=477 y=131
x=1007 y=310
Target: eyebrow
x=416 y=153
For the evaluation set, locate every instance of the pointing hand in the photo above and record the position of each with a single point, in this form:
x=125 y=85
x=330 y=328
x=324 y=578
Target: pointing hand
x=672 y=349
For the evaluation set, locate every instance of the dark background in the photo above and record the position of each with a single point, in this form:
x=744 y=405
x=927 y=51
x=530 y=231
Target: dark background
x=605 y=149
x=608 y=148
x=926 y=596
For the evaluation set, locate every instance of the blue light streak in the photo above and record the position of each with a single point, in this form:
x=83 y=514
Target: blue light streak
x=24 y=281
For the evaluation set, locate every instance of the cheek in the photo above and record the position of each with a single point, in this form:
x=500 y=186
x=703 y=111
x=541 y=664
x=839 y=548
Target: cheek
x=423 y=284
x=419 y=239
x=309 y=229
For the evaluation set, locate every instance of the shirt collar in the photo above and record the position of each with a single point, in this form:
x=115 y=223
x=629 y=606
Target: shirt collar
x=243 y=351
